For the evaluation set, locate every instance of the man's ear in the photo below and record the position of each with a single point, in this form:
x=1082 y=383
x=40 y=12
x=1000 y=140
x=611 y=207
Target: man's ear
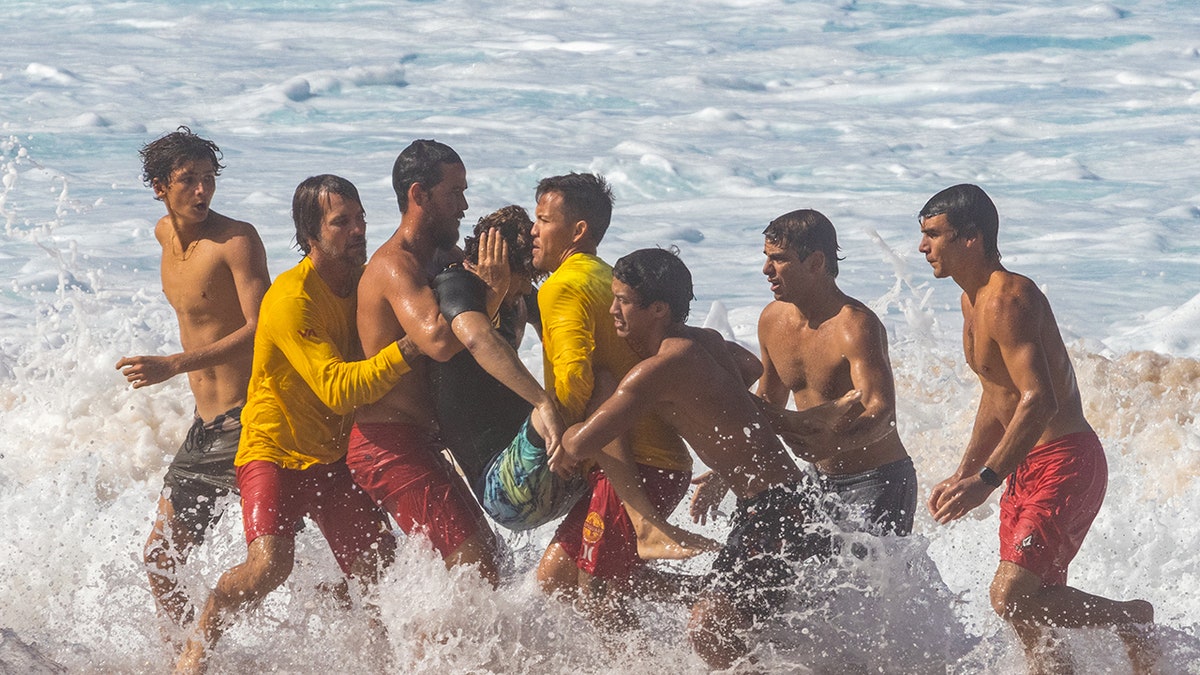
x=816 y=261
x=159 y=187
x=417 y=195
x=581 y=231
x=660 y=308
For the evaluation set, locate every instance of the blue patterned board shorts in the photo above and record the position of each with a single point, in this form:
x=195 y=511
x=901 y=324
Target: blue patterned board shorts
x=520 y=491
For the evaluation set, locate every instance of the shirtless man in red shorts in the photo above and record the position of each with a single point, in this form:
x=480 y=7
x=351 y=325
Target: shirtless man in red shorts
x=1030 y=430
x=395 y=451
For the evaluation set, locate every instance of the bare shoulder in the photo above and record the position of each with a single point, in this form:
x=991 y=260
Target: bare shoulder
x=775 y=320
x=1008 y=296
x=856 y=322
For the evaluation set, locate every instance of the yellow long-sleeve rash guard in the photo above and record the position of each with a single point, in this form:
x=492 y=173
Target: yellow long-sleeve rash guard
x=303 y=389
x=578 y=337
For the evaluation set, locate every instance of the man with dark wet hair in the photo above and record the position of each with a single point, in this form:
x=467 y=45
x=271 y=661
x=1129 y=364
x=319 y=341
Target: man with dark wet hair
x=692 y=380
x=1030 y=431
x=395 y=451
x=817 y=345
x=304 y=385
x=214 y=274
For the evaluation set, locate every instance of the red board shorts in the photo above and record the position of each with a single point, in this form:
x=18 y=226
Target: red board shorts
x=1049 y=504
x=402 y=468
x=274 y=499
x=598 y=533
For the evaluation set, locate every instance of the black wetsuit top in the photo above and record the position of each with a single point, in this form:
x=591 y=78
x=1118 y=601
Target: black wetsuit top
x=478 y=415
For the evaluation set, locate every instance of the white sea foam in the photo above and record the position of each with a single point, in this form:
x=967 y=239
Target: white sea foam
x=1080 y=118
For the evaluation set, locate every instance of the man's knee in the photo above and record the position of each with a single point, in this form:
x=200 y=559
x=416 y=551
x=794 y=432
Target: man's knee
x=269 y=564
x=557 y=572
x=712 y=630
x=1012 y=590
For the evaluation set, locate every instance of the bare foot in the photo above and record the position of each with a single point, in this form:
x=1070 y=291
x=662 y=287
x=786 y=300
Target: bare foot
x=1138 y=637
x=668 y=542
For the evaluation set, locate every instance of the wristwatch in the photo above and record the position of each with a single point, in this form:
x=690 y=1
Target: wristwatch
x=989 y=477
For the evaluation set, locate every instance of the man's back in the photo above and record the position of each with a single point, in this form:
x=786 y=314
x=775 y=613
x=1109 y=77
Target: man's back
x=201 y=280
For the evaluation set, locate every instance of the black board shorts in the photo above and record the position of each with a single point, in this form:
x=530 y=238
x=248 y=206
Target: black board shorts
x=202 y=471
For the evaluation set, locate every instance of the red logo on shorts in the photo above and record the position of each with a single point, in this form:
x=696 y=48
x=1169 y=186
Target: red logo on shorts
x=593 y=528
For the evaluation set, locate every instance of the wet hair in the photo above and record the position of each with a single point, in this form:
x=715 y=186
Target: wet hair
x=421 y=162
x=514 y=225
x=968 y=210
x=585 y=196
x=806 y=231
x=658 y=275
x=309 y=203
x=162 y=156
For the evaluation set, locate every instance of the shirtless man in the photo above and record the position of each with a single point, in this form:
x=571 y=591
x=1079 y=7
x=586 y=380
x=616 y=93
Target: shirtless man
x=690 y=379
x=304 y=385
x=596 y=548
x=395 y=452
x=214 y=273
x=1030 y=430
x=818 y=344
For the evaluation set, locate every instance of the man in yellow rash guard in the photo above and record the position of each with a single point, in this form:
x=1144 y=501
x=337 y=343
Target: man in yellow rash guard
x=304 y=385
x=595 y=547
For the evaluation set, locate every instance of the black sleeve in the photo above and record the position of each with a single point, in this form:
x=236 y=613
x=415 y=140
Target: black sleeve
x=459 y=291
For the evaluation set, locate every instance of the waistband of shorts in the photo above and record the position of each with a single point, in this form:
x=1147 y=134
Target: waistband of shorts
x=531 y=435
x=901 y=465
x=1072 y=442
x=227 y=421
x=407 y=428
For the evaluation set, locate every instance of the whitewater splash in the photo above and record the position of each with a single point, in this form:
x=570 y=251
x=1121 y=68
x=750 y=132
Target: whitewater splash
x=85 y=455
x=1079 y=117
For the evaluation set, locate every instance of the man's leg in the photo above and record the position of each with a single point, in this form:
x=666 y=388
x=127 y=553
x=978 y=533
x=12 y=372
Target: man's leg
x=657 y=539
x=402 y=469
x=268 y=564
x=166 y=550
x=558 y=573
x=713 y=630
x=1020 y=598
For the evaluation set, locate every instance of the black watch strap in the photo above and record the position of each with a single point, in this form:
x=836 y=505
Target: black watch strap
x=989 y=477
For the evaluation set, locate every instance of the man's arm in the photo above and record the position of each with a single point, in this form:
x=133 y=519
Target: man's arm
x=247 y=260
x=569 y=344
x=866 y=351
x=493 y=354
x=296 y=328
x=771 y=387
x=406 y=291
x=1013 y=322
x=617 y=415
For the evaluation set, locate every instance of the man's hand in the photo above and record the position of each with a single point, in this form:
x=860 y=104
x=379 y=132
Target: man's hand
x=710 y=490
x=143 y=371
x=493 y=262
x=954 y=497
x=559 y=461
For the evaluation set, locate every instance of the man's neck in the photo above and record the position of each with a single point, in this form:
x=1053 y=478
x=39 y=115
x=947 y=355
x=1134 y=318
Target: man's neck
x=335 y=273
x=975 y=277
x=819 y=306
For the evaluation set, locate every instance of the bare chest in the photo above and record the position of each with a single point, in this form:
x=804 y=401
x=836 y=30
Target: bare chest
x=812 y=366
x=199 y=284
x=981 y=352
